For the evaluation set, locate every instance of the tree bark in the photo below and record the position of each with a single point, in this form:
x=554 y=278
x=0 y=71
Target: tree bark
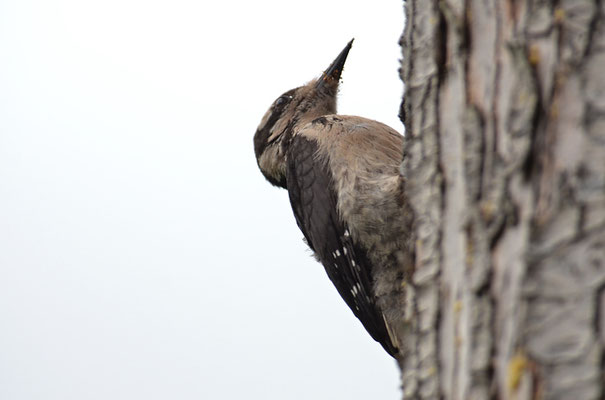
x=504 y=110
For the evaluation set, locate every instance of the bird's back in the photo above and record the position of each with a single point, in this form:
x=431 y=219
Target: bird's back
x=363 y=158
x=345 y=187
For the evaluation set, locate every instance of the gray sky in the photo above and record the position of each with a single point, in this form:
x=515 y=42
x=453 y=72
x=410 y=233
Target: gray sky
x=142 y=254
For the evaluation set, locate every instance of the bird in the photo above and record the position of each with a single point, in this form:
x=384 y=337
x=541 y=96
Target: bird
x=347 y=192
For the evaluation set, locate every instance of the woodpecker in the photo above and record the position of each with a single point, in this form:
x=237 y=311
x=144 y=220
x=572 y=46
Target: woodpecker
x=342 y=174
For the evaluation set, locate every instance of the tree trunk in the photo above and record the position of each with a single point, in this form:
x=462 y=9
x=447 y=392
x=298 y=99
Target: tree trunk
x=504 y=110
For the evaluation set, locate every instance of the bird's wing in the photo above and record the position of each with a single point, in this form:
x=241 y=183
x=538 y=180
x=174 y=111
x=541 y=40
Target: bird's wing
x=313 y=201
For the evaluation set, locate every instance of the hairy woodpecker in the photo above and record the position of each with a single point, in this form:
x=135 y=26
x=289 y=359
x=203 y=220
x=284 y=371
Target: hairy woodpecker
x=347 y=193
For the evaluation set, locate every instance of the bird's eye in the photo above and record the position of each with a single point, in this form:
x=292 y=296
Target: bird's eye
x=282 y=101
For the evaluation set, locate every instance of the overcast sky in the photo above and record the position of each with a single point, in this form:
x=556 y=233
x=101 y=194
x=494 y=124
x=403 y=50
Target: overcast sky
x=142 y=254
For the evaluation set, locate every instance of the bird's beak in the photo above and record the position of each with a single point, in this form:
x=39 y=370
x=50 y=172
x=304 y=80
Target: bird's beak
x=332 y=74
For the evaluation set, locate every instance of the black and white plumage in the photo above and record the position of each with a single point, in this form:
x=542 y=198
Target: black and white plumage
x=347 y=193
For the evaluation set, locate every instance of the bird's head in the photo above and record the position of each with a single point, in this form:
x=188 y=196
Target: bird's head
x=290 y=110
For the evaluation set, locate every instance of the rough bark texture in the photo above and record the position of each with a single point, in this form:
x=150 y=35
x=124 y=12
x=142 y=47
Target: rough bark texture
x=504 y=111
